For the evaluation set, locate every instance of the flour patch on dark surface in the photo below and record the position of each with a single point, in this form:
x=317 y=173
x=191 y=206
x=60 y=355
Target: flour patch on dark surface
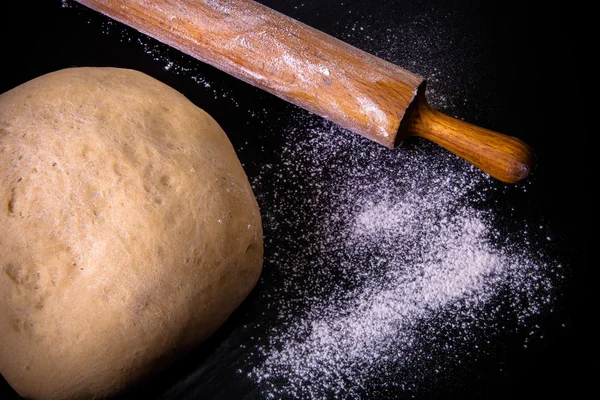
x=386 y=281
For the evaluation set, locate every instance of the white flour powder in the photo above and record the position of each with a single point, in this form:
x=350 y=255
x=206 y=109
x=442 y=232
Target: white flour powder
x=391 y=270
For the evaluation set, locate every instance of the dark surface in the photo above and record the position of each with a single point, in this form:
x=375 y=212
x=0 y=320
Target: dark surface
x=521 y=76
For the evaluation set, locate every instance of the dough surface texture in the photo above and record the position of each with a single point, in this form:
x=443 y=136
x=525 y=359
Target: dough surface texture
x=128 y=231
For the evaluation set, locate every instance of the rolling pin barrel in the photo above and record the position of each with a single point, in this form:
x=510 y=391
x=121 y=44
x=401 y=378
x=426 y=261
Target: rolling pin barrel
x=317 y=72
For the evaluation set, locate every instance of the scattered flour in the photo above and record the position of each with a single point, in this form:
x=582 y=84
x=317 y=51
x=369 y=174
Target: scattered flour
x=385 y=268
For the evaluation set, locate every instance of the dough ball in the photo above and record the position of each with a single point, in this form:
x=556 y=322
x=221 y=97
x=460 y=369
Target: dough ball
x=129 y=231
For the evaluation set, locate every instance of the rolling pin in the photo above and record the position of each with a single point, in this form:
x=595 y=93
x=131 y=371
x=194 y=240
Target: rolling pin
x=319 y=73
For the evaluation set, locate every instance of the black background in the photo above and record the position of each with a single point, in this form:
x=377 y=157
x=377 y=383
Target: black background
x=527 y=82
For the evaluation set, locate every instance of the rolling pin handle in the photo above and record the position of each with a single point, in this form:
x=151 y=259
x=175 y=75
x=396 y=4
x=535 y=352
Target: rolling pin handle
x=503 y=157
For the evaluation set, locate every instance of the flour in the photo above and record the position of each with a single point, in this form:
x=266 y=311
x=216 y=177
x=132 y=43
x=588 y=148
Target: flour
x=393 y=270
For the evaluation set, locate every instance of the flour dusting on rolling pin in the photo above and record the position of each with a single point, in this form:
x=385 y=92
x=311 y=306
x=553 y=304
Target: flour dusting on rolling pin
x=319 y=73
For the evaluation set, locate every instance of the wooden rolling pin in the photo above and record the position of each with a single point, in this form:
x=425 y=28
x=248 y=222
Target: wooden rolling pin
x=319 y=73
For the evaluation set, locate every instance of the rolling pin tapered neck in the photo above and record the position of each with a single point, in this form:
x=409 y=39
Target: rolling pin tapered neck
x=505 y=158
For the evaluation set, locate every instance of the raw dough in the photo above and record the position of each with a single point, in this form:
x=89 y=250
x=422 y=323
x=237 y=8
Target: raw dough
x=128 y=231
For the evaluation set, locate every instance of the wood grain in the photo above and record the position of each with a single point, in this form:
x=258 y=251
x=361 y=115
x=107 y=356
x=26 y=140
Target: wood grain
x=317 y=72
